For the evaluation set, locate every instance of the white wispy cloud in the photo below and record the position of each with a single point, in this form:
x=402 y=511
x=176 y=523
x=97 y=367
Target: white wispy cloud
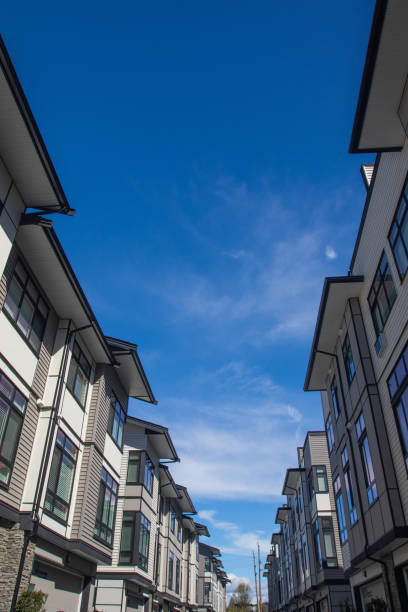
x=239 y=542
x=330 y=252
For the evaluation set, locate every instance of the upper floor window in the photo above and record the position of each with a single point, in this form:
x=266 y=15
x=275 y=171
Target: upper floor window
x=207 y=564
x=304 y=551
x=106 y=509
x=173 y=520
x=382 y=295
x=329 y=542
x=144 y=541
x=133 y=472
x=26 y=307
x=330 y=433
x=366 y=460
x=197 y=548
x=148 y=474
x=398 y=236
x=335 y=398
x=349 y=489
x=177 y=587
x=341 y=517
x=78 y=375
x=12 y=409
x=207 y=592
x=61 y=477
x=179 y=530
x=321 y=479
x=171 y=570
x=318 y=549
x=117 y=418
x=348 y=359
x=398 y=390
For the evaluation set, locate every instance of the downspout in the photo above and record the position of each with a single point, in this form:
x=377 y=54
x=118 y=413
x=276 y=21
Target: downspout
x=52 y=424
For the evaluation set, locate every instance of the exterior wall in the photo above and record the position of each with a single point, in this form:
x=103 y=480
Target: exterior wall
x=11 y=546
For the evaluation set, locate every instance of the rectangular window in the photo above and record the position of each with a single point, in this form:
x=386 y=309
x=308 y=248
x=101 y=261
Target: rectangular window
x=105 y=512
x=177 y=588
x=78 y=375
x=173 y=521
x=398 y=390
x=61 y=478
x=148 y=474
x=25 y=306
x=318 y=550
x=171 y=569
x=12 y=409
x=330 y=433
x=116 y=421
x=366 y=460
x=329 y=543
x=341 y=517
x=305 y=557
x=197 y=589
x=207 y=592
x=335 y=398
x=382 y=295
x=197 y=548
x=144 y=542
x=349 y=489
x=398 y=236
x=310 y=485
x=207 y=564
x=348 y=359
x=133 y=472
x=127 y=539
x=179 y=530
x=321 y=479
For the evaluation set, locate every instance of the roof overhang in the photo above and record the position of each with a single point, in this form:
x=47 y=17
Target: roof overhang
x=276 y=538
x=201 y=529
x=185 y=503
x=292 y=478
x=337 y=290
x=188 y=523
x=210 y=550
x=168 y=487
x=159 y=437
x=39 y=244
x=130 y=370
x=378 y=123
x=22 y=147
x=282 y=514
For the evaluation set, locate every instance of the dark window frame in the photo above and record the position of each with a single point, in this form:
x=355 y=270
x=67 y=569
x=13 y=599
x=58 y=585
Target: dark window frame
x=171 y=571
x=117 y=414
x=348 y=359
x=397 y=223
x=316 y=476
x=331 y=441
x=397 y=383
x=341 y=514
x=140 y=525
x=335 y=398
x=35 y=303
x=177 y=576
x=53 y=495
x=327 y=528
x=379 y=285
x=351 y=499
x=100 y=525
x=366 y=460
x=12 y=408
x=132 y=454
x=75 y=364
x=207 y=593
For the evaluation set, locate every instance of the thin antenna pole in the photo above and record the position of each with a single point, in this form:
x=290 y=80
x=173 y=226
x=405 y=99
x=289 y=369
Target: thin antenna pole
x=260 y=580
x=256 y=583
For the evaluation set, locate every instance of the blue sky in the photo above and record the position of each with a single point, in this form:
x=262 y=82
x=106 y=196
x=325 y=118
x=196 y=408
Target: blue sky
x=204 y=146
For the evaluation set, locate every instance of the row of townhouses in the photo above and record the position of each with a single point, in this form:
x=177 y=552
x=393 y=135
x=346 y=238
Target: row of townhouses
x=354 y=493
x=89 y=511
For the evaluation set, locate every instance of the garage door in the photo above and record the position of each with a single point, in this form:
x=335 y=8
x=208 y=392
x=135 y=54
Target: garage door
x=63 y=589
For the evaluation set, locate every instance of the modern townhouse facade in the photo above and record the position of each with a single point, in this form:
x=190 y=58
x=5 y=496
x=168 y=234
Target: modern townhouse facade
x=64 y=385
x=212 y=580
x=359 y=360
x=305 y=566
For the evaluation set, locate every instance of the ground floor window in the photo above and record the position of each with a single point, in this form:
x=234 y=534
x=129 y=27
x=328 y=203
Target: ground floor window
x=373 y=596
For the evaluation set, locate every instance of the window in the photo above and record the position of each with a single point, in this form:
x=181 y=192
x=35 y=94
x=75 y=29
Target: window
x=305 y=558
x=148 y=474
x=173 y=520
x=197 y=548
x=117 y=418
x=144 y=541
x=12 y=409
x=61 y=477
x=366 y=460
x=177 y=588
x=349 y=489
x=133 y=472
x=398 y=390
x=207 y=564
x=171 y=568
x=335 y=398
x=348 y=359
x=382 y=295
x=207 y=592
x=310 y=485
x=196 y=589
x=78 y=375
x=179 y=530
x=105 y=512
x=329 y=543
x=321 y=479
x=398 y=237
x=25 y=306
x=126 y=554
x=341 y=517
x=330 y=433
x=318 y=550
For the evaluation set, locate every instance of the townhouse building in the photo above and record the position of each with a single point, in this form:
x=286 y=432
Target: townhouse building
x=359 y=360
x=305 y=566
x=212 y=580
